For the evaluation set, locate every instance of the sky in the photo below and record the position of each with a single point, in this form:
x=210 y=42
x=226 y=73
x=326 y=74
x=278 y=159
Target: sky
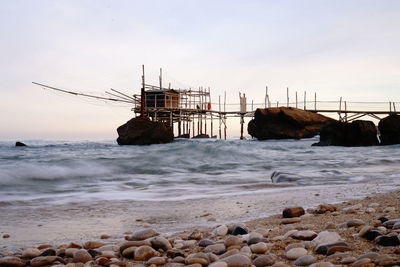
x=341 y=48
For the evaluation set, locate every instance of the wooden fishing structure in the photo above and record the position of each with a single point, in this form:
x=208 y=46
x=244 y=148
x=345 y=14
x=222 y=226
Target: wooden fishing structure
x=191 y=112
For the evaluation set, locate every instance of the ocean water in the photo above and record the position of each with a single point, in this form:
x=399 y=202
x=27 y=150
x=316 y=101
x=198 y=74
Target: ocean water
x=49 y=172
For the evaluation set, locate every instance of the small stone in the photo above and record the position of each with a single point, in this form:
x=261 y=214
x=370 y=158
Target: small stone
x=43 y=261
x=218 y=264
x=325 y=208
x=396 y=226
x=50 y=252
x=292 y=212
x=280 y=264
x=385 y=260
x=322 y=264
x=330 y=226
x=229 y=253
x=178 y=259
x=390 y=223
x=143 y=234
x=364 y=230
x=304 y=235
x=129 y=252
x=324 y=248
x=157 y=261
x=92 y=245
x=105 y=236
x=196 y=235
x=370 y=210
x=361 y=262
x=6 y=236
x=354 y=223
x=294 y=245
x=70 y=252
x=386 y=240
x=128 y=244
x=237 y=260
x=81 y=256
x=383 y=219
x=371 y=235
x=259 y=248
x=389 y=209
x=239 y=230
x=290 y=220
x=232 y=241
x=305 y=260
x=348 y=260
x=31 y=253
x=289 y=233
x=206 y=242
x=73 y=245
x=200 y=258
x=255 y=240
x=191 y=265
x=10 y=261
x=264 y=260
x=221 y=230
x=144 y=253
x=326 y=237
x=159 y=242
x=334 y=249
x=216 y=249
x=295 y=253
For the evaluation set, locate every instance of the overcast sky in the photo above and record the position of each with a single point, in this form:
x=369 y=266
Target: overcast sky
x=335 y=48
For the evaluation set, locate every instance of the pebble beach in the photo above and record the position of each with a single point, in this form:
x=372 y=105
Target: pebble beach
x=356 y=232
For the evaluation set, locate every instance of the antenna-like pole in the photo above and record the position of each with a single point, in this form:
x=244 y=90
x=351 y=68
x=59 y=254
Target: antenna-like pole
x=142 y=102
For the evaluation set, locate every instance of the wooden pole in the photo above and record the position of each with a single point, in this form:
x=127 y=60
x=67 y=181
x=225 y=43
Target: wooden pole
x=241 y=125
x=390 y=107
x=315 y=101
x=160 y=78
x=287 y=96
x=345 y=111
x=340 y=109
x=296 y=100
x=225 y=115
x=212 y=126
x=219 y=101
x=142 y=95
x=394 y=107
x=266 y=96
x=305 y=100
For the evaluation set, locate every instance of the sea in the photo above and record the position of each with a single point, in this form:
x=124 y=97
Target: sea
x=56 y=172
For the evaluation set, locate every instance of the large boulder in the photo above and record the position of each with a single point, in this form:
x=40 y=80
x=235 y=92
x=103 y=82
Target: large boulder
x=356 y=133
x=285 y=123
x=139 y=131
x=389 y=129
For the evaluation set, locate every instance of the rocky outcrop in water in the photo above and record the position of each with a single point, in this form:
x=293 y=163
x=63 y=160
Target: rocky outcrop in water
x=389 y=129
x=285 y=123
x=20 y=144
x=138 y=131
x=356 y=133
x=200 y=136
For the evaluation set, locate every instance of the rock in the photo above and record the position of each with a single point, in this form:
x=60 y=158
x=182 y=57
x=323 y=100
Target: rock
x=294 y=245
x=230 y=252
x=255 y=240
x=128 y=244
x=144 y=253
x=200 y=258
x=372 y=234
x=295 y=253
x=292 y=212
x=232 y=241
x=324 y=248
x=143 y=234
x=216 y=249
x=6 y=236
x=290 y=220
x=355 y=133
x=159 y=242
x=386 y=240
x=259 y=248
x=389 y=128
x=139 y=131
x=326 y=237
x=10 y=261
x=280 y=264
x=92 y=245
x=218 y=264
x=82 y=256
x=365 y=230
x=325 y=208
x=304 y=235
x=348 y=260
x=370 y=210
x=264 y=260
x=396 y=226
x=129 y=252
x=285 y=123
x=330 y=226
x=370 y=255
x=305 y=260
x=385 y=260
x=196 y=235
x=221 y=230
x=32 y=253
x=206 y=242
x=237 y=260
x=43 y=261
x=335 y=249
x=240 y=230
x=49 y=252
x=20 y=144
x=157 y=261
x=322 y=264
x=391 y=223
x=361 y=263
x=354 y=223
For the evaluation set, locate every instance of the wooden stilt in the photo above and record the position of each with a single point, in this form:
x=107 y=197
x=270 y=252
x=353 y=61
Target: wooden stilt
x=241 y=125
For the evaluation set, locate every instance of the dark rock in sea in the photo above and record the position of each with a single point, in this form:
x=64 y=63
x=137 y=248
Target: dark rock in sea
x=285 y=123
x=239 y=230
x=389 y=129
x=183 y=136
x=356 y=133
x=292 y=212
x=388 y=240
x=201 y=136
x=138 y=131
x=20 y=144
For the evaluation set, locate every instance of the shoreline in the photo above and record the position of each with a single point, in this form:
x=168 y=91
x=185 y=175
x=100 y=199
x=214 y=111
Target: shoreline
x=76 y=222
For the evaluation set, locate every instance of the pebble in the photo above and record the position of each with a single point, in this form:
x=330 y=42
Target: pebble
x=386 y=240
x=361 y=262
x=216 y=249
x=291 y=212
x=159 y=242
x=229 y=253
x=294 y=245
x=326 y=237
x=396 y=225
x=81 y=256
x=290 y=220
x=371 y=235
x=322 y=264
x=42 y=261
x=240 y=230
x=370 y=210
x=128 y=244
x=295 y=253
x=70 y=252
x=259 y=248
x=143 y=234
x=334 y=249
x=206 y=242
x=237 y=260
x=255 y=240
x=364 y=230
x=31 y=253
x=6 y=236
x=221 y=230
x=196 y=235
x=157 y=261
x=10 y=261
x=323 y=208
x=390 y=223
x=354 y=223
x=385 y=260
x=264 y=260
x=105 y=236
x=50 y=252
x=144 y=253
x=304 y=235
x=330 y=226
x=92 y=245
x=324 y=248
x=305 y=260
x=389 y=209
x=280 y=264
x=129 y=252
x=348 y=260
x=200 y=258
x=218 y=264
